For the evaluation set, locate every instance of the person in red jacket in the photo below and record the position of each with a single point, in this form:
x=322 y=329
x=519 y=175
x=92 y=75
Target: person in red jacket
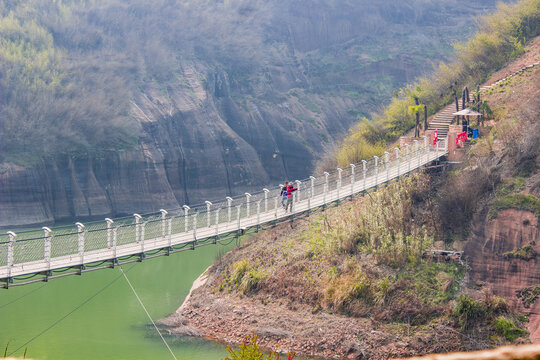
x=290 y=190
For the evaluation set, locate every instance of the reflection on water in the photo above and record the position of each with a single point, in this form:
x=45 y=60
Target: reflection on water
x=112 y=325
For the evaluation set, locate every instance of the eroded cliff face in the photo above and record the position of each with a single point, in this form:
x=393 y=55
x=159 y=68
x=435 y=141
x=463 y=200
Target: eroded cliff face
x=506 y=275
x=197 y=144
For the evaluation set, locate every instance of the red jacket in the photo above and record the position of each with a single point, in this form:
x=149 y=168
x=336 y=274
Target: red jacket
x=290 y=189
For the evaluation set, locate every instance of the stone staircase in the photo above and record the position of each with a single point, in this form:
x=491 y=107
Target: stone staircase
x=443 y=119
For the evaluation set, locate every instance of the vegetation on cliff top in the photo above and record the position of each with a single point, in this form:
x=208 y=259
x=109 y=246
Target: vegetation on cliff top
x=501 y=38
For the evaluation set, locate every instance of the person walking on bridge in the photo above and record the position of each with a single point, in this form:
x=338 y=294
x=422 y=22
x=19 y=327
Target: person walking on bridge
x=283 y=194
x=290 y=190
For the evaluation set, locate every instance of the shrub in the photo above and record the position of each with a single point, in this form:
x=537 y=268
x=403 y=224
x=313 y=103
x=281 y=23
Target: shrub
x=250 y=350
x=468 y=311
x=506 y=328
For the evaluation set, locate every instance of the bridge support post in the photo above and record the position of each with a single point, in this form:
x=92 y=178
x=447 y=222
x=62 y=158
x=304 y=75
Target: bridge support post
x=376 y=170
x=352 y=179
x=208 y=206
x=80 y=237
x=217 y=222
x=408 y=154
x=186 y=219
x=10 y=253
x=397 y=160
x=426 y=149
x=387 y=165
x=163 y=221
x=338 y=185
x=142 y=226
x=169 y=231
x=364 y=171
x=325 y=190
x=110 y=222
x=229 y=203
x=312 y=180
x=238 y=216
x=417 y=152
x=137 y=227
x=258 y=215
x=114 y=237
x=266 y=191
x=248 y=197
x=47 y=246
x=195 y=216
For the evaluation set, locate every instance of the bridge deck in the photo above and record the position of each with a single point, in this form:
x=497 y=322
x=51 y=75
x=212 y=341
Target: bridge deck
x=60 y=249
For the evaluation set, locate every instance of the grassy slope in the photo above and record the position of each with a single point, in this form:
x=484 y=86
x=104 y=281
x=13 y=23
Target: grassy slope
x=363 y=258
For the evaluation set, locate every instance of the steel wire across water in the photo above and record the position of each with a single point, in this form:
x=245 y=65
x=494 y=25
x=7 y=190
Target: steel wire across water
x=223 y=216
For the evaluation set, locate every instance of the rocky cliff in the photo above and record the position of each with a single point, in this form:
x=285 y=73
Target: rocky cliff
x=220 y=107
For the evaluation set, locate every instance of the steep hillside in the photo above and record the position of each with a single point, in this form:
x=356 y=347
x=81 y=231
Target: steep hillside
x=111 y=107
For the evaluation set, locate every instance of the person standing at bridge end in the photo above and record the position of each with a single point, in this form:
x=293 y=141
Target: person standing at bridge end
x=290 y=190
x=284 y=194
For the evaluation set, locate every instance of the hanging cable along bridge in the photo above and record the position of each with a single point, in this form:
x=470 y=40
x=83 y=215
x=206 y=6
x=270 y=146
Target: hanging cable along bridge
x=33 y=256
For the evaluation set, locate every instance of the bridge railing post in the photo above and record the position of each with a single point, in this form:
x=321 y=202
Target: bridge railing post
x=426 y=148
x=229 y=203
x=298 y=184
x=114 y=237
x=169 y=231
x=10 y=251
x=312 y=180
x=376 y=170
x=258 y=214
x=142 y=226
x=387 y=164
x=217 y=221
x=364 y=172
x=276 y=200
x=138 y=219
x=325 y=190
x=397 y=160
x=47 y=246
x=208 y=206
x=248 y=198
x=293 y=205
x=195 y=216
x=110 y=223
x=352 y=179
x=338 y=185
x=437 y=150
x=238 y=211
x=80 y=237
x=163 y=221
x=186 y=218
x=266 y=191
x=417 y=152
x=408 y=154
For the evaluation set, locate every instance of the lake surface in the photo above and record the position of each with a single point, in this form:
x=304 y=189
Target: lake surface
x=112 y=325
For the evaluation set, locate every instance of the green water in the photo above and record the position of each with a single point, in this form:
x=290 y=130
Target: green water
x=112 y=325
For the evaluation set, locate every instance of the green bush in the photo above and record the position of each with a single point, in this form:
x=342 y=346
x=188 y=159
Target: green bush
x=506 y=328
x=468 y=311
x=515 y=201
x=250 y=350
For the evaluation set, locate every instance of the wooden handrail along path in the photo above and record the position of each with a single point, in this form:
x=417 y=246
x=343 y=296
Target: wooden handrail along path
x=33 y=256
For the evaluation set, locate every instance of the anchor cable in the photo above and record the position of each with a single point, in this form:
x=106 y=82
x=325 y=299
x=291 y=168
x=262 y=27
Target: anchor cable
x=71 y=312
x=146 y=311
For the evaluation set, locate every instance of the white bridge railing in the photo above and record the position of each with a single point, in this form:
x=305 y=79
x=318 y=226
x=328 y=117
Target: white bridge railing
x=34 y=252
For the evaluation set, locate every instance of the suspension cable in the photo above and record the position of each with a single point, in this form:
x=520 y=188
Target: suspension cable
x=146 y=311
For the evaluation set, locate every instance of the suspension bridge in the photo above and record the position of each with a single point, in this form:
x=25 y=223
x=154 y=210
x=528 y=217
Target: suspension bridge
x=31 y=256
